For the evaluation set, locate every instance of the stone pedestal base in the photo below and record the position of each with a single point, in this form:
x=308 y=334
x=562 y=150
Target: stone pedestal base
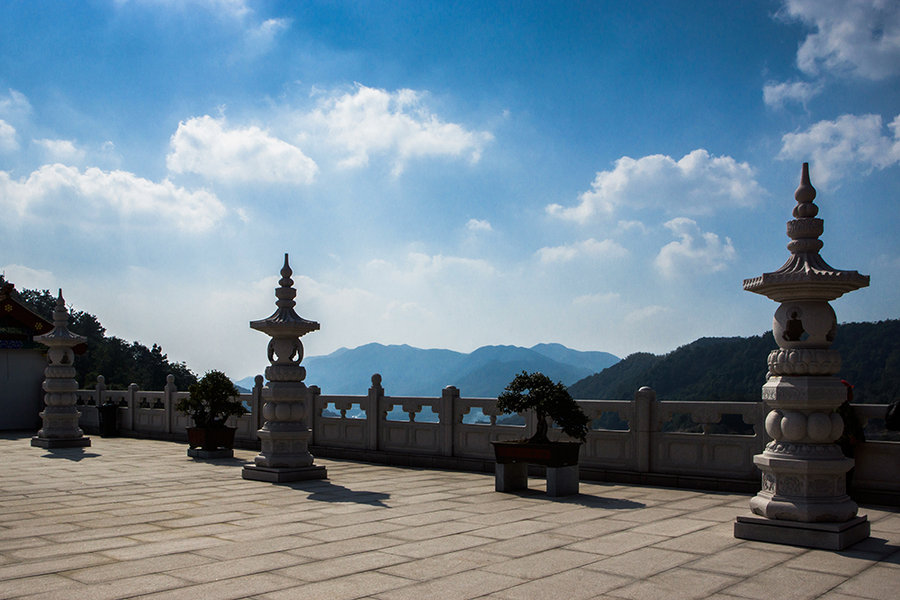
x=201 y=453
x=283 y=474
x=510 y=477
x=561 y=481
x=80 y=442
x=826 y=536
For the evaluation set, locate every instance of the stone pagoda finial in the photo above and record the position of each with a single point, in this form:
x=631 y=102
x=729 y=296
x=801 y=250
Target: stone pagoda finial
x=60 y=417
x=803 y=470
x=284 y=455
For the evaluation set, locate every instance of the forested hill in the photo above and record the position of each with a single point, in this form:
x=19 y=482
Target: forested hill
x=120 y=362
x=734 y=369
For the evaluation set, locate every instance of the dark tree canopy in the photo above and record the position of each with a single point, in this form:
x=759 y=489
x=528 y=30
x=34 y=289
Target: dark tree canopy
x=537 y=392
x=119 y=361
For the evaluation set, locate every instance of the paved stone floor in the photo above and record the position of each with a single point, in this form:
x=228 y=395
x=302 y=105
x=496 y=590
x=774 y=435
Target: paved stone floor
x=132 y=518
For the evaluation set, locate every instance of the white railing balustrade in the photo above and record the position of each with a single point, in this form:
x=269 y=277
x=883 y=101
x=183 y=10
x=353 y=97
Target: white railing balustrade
x=689 y=444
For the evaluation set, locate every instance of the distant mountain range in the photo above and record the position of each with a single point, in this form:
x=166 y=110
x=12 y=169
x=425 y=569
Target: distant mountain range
x=408 y=371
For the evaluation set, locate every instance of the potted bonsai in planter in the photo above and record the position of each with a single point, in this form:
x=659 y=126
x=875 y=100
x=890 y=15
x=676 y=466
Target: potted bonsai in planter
x=211 y=401
x=535 y=391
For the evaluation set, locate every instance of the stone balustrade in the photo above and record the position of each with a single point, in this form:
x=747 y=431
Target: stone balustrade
x=703 y=445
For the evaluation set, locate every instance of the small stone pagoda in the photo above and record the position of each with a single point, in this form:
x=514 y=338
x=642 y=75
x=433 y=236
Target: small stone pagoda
x=803 y=500
x=60 y=416
x=287 y=401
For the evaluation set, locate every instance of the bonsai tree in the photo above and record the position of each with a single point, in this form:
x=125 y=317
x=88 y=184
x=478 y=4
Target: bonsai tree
x=212 y=400
x=535 y=391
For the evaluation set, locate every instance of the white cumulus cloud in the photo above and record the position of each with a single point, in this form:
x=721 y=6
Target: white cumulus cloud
x=695 y=252
x=61 y=150
x=856 y=37
x=850 y=141
x=778 y=94
x=698 y=183
x=58 y=189
x=205 y=146
x=8 y=141
x=591 y=248
x=479 y=225
x=14 y=105
x=398 y=125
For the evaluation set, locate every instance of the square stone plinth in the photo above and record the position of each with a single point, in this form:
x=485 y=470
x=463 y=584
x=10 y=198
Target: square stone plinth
x=826 y=536
x=218 y=453
x=39 y=442
x=283 y=474
x=562 y=481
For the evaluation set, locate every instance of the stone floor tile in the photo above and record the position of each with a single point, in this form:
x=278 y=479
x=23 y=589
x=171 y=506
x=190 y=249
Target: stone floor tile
x=577 y=584
x=673 y=527
x=594 y=528
x=345 y=547
x=334 y=568
x=846 y=562
x=740 y=561
x=226 y=589
x=529 y=544
x=55 y=565
x=877 y=582
x=785 y=584
x=139 y=566
x=435 y=546
x=423 y=569
x=706 y=541
x=461 y=586
x=22 y=586
x=641 y=563
x=235 y=567
x=350 y=587
x=541 y=564
x=616 y=543
x=675 y=584
x=113 y=590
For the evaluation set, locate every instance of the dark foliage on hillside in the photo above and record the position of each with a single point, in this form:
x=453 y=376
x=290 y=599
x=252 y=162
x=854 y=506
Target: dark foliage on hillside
x=734 y=369
x=120 y=362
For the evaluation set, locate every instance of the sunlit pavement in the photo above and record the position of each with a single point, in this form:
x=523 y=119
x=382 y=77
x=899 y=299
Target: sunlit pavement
x=137 y=518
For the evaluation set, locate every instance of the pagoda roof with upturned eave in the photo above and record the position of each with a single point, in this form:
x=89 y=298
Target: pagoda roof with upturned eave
x=18 y=323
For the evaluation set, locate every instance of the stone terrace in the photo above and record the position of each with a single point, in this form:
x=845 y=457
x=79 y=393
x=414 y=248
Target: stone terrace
x=137 y=518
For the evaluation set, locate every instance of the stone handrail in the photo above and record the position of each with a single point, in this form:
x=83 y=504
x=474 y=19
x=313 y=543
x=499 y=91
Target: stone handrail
x=685 y=444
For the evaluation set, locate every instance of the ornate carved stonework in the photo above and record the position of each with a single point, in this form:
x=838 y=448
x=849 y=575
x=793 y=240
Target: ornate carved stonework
x=60 y=416
x=803 y=470
x=284 y=454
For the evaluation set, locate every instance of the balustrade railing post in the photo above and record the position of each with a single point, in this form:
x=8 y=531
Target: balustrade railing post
x=644 y=401
x=449 y=396
x=373 y=412
x=169 y=392
x=132 y=404
x=100 y=389
x=312 y=413
x=256 y=403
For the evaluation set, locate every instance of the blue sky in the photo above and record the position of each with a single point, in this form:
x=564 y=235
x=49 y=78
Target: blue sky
x=599 y=174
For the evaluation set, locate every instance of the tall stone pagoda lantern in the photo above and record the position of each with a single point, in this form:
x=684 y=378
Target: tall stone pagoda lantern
x=60 y=416
x=285 y=435
x=803 y=500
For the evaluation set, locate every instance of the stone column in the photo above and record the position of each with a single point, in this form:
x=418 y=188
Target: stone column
x=285 y=435
x=60 y=417
x=803 y=500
